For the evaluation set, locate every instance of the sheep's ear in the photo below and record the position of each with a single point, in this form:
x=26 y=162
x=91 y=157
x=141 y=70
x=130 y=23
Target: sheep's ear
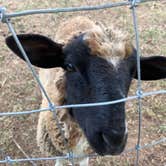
x=152 y=68
x=41 y=51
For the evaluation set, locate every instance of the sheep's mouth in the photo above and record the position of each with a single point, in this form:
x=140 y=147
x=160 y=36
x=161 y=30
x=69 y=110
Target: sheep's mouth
x=111 y=149
x=104 y=145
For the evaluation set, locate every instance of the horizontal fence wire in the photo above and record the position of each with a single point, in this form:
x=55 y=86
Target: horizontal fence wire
x=66 y=157
x=5 y=18
x=146 y=94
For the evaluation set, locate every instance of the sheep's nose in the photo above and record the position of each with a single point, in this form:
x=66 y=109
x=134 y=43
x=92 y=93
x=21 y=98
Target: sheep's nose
x=115 y=141
x=106 y=142
x=114 y=137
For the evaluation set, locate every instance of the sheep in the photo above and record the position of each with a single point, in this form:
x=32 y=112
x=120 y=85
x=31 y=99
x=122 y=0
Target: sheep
x=88 y=63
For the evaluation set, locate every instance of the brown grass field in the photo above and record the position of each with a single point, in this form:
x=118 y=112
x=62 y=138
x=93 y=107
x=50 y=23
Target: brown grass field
x=19 y=91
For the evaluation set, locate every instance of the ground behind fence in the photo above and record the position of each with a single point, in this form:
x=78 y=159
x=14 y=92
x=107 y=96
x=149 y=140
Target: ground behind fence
x=138 y=95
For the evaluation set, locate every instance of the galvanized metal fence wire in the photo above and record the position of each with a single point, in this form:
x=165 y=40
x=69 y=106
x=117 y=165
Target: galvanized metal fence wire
x=5 y=18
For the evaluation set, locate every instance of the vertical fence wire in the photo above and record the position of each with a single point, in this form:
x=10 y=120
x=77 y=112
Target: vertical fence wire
x=139 y=94
x=11 y=29
x=70 y=153
x=51 y=105
x=139 y=91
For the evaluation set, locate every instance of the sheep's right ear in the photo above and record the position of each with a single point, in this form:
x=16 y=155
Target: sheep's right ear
x=41 y=51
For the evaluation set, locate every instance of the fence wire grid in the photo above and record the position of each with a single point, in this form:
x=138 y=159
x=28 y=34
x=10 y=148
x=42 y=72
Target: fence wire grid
x=5 y=18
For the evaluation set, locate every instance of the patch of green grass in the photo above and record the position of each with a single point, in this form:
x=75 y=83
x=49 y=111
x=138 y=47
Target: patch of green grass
x=162 y=83
x=162 y=129
x=1 y=58
x=152 y=34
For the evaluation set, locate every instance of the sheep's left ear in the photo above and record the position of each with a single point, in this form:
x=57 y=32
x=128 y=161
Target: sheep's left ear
x=41 y=51
x=152 y=68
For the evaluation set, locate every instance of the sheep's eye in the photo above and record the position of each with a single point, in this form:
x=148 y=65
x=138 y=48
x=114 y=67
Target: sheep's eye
x=69 y=67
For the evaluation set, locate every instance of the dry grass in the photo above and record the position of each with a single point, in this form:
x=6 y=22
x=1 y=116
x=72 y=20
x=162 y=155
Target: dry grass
x=18 y=90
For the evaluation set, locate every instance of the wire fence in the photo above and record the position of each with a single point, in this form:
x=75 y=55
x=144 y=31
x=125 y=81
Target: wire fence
x=5 y=18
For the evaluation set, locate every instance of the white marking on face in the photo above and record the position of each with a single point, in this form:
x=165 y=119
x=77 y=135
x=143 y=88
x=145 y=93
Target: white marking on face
x=114 y=61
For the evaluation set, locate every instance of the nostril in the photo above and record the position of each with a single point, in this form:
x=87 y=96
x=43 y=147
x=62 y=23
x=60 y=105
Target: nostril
x=96 y=141
x=115 y=132
x=118 y=137
x=106 y=139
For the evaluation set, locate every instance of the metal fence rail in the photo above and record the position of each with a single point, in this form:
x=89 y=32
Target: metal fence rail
x=8 y=159
x=4 y=15
x=5 y=18
x=143 y=95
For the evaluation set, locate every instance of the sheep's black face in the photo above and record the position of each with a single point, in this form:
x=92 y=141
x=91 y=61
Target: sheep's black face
x=93 y=79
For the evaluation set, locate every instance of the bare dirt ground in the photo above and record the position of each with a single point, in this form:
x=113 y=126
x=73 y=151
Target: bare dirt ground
x=19 y=91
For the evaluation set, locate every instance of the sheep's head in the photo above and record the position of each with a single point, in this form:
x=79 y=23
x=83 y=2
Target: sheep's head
x=96 y=70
